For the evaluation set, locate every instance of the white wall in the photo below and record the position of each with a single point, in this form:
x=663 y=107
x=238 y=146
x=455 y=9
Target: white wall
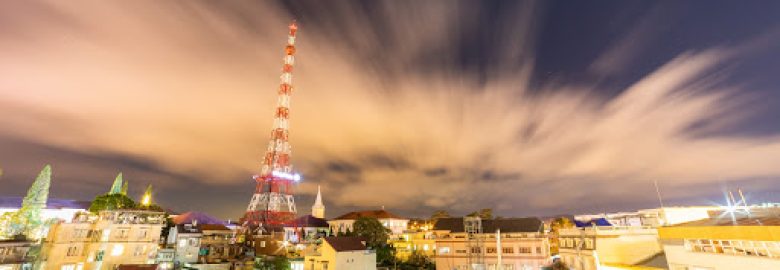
x=677 y=256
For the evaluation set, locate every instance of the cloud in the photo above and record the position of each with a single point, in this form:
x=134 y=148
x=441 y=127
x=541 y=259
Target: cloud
x=381 y=116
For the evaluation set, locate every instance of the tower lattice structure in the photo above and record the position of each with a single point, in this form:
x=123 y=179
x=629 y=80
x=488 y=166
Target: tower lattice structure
x=272 y=203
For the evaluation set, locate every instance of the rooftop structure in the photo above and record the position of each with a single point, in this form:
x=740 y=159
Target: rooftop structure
x=396 y=224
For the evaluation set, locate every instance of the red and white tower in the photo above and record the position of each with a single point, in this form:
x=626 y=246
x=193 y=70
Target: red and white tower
x=273 y=203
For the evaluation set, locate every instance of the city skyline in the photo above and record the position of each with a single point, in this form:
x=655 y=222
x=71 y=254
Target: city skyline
x=529 y=108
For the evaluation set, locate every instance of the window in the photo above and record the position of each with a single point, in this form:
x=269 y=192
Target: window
x=476 y=250
x=523 y=250
x=490 y=250
x=117 y=250
x=262 y=243
x=507 y=250
x=139 y=250
x=143 y=233
x=68 y=267
x=460 y=251
x=444 y=250
x=538 y=250
x=73 y=251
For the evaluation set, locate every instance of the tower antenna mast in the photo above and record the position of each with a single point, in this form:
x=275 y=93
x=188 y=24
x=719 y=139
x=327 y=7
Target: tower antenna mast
x=272 y=203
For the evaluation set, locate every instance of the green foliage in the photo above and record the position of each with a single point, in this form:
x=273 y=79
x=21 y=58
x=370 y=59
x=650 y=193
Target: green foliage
x=116 y=187
x=417 y=260
x=273 y=263
x=111 y=202
x=439 y=214
x=385 y=255
x=372 y=230
x=485 y=213
x=27 y=220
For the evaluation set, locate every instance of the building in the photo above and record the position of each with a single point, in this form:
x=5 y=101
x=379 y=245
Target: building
x=184 y=240
x=60 y=209
x=341 y=253
x=13 y=254
x=306 y=229
x=513 y=243
x=318 y=209
x=723 y=243
x=103 y=241
x=600 y=247
x=653 y=217
x=418 y=237
x=394 y=223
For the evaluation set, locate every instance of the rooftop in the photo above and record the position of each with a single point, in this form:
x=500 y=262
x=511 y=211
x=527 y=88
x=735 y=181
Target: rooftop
x=201 y=218
x=309 y=221
x=507 y=225
x=378 y=214
x=346 y=243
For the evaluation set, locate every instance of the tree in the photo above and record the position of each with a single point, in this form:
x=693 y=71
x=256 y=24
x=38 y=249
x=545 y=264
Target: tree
x=418 y=260
x=116 y=187
x=27 y=220
x=485 y=213
x=111 y=202
x=439 y=214
x=372 y=230
x=273 y=263
x=555 y=226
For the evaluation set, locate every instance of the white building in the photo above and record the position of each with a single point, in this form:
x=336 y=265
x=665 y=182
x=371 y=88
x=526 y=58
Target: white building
x=394 y=223
x=340 y=253
x=653 y=217
x=723 y=244
x=318 y=209
x=184 y=239
x=103 y=241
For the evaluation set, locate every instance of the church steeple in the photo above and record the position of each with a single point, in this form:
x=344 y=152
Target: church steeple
x=318 y=209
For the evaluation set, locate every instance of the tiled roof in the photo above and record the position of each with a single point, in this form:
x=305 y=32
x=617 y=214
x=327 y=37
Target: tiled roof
x=51 y=203
x=507 y=225
x=309 y=221
x=346 y=243
x=378 y=214
x=202 y=218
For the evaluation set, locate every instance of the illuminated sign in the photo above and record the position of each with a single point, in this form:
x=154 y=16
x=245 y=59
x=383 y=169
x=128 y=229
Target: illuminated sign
x=289 y=176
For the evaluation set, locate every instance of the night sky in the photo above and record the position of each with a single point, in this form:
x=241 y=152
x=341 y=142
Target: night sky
x=529 y=108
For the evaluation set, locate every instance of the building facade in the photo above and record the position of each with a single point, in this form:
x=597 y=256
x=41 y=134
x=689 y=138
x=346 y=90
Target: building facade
x=723 y=244
x=392 y=222
x=13 y=254
x=103 y=241
x=597 y=247
x=340 y=253
x=512 y=243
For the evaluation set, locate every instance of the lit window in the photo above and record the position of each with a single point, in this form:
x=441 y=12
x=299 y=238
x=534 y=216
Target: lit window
x=182 y=243
x=425 y=247
x=117 y=250
x=68 y=267
x=444 y=250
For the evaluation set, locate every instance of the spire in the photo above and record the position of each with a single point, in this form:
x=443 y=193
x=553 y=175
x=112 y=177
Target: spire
x=117 y=186
x=146 y=200
x=318 y=209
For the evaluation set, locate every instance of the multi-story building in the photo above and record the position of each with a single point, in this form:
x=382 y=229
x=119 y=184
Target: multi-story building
x=418 y=237
x=394 y=223
x=103 y=241
x=13 y=254
x=184 y=240
x=724 y=243
x=512 y=243
x=340 y=253
x=599 y=247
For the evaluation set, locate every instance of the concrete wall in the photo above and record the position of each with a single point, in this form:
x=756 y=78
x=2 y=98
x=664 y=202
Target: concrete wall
x=678 y=259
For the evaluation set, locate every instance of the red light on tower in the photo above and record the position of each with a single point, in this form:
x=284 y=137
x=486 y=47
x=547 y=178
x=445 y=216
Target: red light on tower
x=273 y=203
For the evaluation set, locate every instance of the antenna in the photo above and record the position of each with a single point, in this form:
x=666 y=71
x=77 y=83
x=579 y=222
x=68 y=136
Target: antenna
x=660 y=200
